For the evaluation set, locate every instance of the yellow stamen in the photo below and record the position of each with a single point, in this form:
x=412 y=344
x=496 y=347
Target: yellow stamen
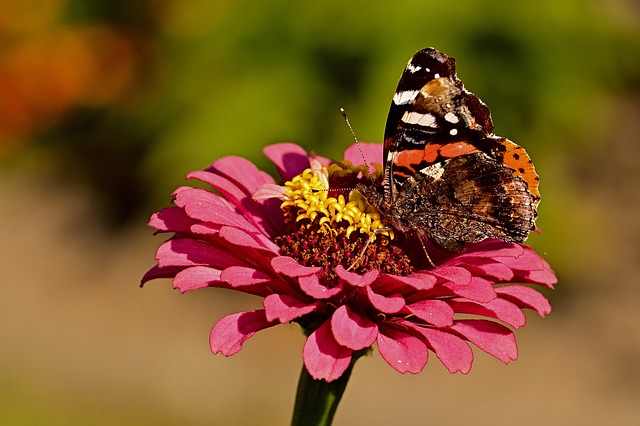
x=308 y=192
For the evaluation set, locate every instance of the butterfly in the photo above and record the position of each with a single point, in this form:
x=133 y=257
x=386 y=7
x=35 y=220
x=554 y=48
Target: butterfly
x=447 y=178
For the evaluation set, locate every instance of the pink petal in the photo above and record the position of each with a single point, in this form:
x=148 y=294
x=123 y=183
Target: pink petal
x=454 y=353
x=402 y=351
x=527 y=261
x=496 y=270
x=391 y=284
x=525 y=297
x=290 y=159
x=493 y=249
x=319 y=158
x=227 y=188
x=171 y=219
x=237 y=179
x=160 y=272
x=195 y=278
x=435 y=312
x=387 y=304
x=208 y=207
x=371 y=152
x=241 y=172
x=268 y=191
x=310 y=284
x=259 y=213
x=353 y=330
x=245 y=180
x=239 y=276
x=286 y=308
x=323 y=356
x=230 y=333
x=530 y=267
x=479 y=289
x=239 y=237
x=418 y=281
x=190 y=252
x=205 y=228
x=499 y=309
x=454 y=274
x=421 y=281
x=545 y=277
x=493 y=338
x=290 y=267
x=356 y=279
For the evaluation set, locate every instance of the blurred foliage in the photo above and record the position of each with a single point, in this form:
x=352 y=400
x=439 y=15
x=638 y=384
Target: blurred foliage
x=128 y=96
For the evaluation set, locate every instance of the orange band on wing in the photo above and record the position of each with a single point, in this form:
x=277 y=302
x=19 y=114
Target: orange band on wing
x=408 y=158
x=517 y=159
x=431 y=153
x=455 y=149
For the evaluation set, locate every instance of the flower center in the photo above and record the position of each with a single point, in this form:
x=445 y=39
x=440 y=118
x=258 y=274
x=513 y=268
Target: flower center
x=327 y=231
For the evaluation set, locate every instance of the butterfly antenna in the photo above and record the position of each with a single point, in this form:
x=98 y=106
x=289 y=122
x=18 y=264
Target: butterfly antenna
x=355 y=138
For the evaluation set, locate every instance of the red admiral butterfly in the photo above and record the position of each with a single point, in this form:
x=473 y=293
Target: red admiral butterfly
x=447 y=177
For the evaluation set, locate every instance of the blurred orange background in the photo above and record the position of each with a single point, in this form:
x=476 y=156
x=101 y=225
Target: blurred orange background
x=105 y=105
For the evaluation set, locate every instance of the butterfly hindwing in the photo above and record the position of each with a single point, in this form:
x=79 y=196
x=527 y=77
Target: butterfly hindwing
x=467 y=199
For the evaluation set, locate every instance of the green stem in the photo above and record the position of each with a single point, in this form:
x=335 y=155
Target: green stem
x=317 y=400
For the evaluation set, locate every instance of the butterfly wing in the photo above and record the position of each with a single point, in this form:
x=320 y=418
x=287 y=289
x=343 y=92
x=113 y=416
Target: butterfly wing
x=439 y=143
x=418 y=112
x=467 y=199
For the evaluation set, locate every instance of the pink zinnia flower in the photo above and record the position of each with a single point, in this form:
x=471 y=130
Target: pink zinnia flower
x=300 y=248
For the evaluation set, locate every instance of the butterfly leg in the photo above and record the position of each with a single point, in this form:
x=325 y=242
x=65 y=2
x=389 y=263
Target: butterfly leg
x=366 y=245
x=426 y=253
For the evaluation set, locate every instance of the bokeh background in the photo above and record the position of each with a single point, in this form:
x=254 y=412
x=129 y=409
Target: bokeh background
x=105 y=105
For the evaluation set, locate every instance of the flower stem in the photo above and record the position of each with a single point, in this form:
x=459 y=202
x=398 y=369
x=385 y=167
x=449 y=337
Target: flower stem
x=317 y=400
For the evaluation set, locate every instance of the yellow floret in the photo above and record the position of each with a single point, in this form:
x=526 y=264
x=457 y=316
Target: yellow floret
x=309 y=193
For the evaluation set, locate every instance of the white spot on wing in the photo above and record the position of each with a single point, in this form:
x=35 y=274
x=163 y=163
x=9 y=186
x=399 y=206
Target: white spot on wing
x=451 y=117
x=434 y=171
x=426 y=120
x=453 y=132
x=403 y=98
x=413 y=68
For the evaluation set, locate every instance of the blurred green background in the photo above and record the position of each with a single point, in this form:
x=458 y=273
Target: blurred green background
x=105 y=105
